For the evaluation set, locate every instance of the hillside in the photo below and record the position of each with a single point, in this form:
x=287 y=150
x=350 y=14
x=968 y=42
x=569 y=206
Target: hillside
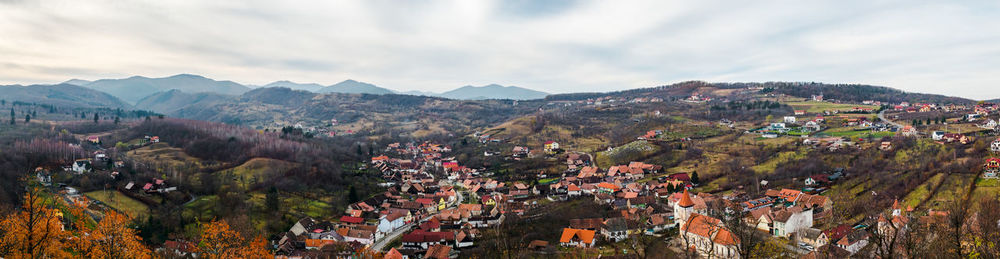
x=134 y=88
x=63 y=95
x=354 y=87
x=312 y=87
x=493 y=91
x=171 y=101
x=267 y=107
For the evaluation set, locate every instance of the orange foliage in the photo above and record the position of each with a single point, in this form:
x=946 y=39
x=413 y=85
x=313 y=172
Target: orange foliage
x=111 y=238
x=219 y=240
x=35 y=231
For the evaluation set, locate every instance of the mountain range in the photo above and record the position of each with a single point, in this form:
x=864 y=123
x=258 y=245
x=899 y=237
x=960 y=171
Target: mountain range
x=135 y=88
x=63 y=95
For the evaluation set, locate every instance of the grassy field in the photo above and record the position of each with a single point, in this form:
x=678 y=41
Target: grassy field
x=120 y=202
x=163 y=153
x=954 y=187
x=769 y=165
x=819 y=107
x=259 y=169
x=625 y=153
x=923 y=192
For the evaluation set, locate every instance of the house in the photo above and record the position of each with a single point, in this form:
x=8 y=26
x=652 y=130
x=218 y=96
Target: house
x=956 y=137
x=393 y=254
x=813 y=237
x=573 y=190
x=817 y=179
x=909 y=131
x=995 y=146
x=615 y=229
x=992 y=168
x=707 y=236
x=155 y=139
x=789 y=119
x=94 y=139
x=885 y=146
x=82 y=166
x=790 y=220
x=520 y=151
x=854 y=241
x=577 y=238
x=812 y=126
x=551 y=146
x=925 y=108
x=937 y=135
x=43 y=176
x=800 y=112
x=438 y=251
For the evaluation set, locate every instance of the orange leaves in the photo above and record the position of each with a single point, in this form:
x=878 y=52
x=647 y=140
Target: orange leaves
x=33 y=232
x=113 y=237
x=219 y=240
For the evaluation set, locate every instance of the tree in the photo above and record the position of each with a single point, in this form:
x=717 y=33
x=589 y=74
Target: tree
x=352 y=195
x=12 y=116
x=219 y=240
x=96 y=117
x=35 y=231
x=272 y=201
x=113 y=237
x=117 y=119
x=694 y=178
x=27 y=118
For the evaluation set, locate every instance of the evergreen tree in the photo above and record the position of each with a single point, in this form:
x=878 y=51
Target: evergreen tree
x=271 y=200
x=352 y=195
x=11 y=116
x=27 y=118
x=117 y=120
x=694 y=178
x=96 y=117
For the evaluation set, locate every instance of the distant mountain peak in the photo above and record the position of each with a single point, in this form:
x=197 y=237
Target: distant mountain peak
x=353 y=86
x=76 y=82
x=493 y=91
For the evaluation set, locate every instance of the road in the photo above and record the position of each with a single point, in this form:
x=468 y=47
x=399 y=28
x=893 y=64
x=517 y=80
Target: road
x=881 y=115
x=380 y=244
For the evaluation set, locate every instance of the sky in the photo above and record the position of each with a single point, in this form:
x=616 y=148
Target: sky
x=557 y=46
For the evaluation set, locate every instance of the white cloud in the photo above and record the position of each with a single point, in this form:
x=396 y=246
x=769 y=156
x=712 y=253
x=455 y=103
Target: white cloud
x=555 y=46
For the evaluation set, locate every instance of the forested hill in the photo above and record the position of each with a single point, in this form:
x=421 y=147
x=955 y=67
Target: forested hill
x=843 y=92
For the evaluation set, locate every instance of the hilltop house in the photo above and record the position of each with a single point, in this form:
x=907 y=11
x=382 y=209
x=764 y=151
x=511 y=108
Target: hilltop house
x=550 y=146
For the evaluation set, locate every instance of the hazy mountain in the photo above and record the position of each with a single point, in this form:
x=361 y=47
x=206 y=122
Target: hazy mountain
x=134 y=88
x=493 y=91
x=62 y=95
x=420 y=93
x=354 y=87
x=77 y=82
x=171 y=101
x=312 y=87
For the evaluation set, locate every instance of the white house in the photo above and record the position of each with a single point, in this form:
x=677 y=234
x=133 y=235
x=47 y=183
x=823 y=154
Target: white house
x=937 y=135
x=995 y=146
x=391 y=222
x=615 y=229
x=789 y=119
x=791 y=220
x=81 y=166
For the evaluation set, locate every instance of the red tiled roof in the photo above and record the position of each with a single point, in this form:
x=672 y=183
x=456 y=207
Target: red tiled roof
x=585 y=236
x=349 y=219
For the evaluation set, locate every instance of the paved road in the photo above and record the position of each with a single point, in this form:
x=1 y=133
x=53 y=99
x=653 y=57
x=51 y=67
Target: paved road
x=380 y=244
x=881 y=115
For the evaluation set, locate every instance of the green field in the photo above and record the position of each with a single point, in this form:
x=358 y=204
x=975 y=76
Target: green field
x=120 y=202
x=923 y=192
x=819 y=107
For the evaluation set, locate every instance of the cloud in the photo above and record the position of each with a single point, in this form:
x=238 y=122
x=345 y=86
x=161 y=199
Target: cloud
x=553 y=46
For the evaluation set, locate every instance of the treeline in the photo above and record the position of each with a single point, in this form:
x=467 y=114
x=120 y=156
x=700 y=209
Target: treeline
x=854 y=92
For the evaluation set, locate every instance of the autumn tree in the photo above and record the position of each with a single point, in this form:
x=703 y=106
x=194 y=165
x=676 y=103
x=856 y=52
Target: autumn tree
x=112 y=237
x=219 y=240
x=34 y=231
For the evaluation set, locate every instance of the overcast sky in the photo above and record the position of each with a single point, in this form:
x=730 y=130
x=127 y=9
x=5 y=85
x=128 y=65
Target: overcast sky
x=555 y=46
